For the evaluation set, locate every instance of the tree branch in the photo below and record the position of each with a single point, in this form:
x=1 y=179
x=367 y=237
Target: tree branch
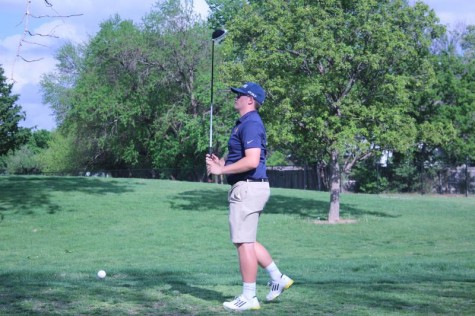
x=349 y=164
x=54 y=16
x=26 y=32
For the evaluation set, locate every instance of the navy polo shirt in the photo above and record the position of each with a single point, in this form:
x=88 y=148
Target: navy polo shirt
x=249 y=132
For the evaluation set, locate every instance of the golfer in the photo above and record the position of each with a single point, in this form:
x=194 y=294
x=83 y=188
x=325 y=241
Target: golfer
x=245 y=168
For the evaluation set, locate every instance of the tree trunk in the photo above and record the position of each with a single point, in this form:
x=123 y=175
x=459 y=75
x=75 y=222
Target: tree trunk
x=334 y=213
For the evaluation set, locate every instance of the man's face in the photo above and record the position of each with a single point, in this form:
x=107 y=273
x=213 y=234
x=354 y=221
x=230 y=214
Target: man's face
x=242 y=101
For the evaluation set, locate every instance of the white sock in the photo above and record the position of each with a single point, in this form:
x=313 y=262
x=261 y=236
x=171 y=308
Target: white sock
x=274 y=272
x=249 y=290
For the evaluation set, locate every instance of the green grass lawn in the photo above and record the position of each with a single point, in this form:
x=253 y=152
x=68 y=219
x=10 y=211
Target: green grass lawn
x=165 y=246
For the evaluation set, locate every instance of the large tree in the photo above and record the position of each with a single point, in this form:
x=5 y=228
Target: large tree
x=137 y=96
x=58 y=86
x=11 y=114
x=182 y=95
x=445 y=111
x=456 y=95
x=341 y=75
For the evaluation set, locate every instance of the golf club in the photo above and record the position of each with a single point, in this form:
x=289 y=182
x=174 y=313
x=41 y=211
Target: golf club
x=217 y=36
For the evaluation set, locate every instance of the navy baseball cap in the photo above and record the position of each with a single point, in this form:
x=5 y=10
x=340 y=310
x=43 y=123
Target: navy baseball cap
x=252 y=89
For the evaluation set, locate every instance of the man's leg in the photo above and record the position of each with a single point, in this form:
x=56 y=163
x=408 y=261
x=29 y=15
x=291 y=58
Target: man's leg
x=248 y=266
x=280 y=282
x=250 y=255
x=263 y=256
x=247 y=261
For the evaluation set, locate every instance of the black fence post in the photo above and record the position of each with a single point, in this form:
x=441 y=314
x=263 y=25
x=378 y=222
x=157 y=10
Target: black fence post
x=319 y=180
x=305 y=174
x=467 y=178
x=423 y=190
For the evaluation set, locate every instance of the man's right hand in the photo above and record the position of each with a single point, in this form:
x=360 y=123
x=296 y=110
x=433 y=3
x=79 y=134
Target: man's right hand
x=214 y=164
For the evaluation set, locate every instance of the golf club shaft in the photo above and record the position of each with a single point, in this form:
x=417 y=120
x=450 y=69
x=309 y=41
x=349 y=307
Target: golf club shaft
x=210 y=149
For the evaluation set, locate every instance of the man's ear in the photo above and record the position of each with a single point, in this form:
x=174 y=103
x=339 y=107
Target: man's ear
x=253 y=102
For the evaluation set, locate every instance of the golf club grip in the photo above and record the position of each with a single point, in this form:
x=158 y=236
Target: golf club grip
x=210 y=152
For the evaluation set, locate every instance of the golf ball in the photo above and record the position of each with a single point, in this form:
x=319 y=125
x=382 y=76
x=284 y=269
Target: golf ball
x=101 y=274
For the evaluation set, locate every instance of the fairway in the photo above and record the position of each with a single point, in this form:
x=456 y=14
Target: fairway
x=166 y=250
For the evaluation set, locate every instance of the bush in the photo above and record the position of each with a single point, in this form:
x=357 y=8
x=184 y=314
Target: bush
x=22 y=161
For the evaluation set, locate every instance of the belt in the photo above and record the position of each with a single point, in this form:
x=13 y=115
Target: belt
x=250 y=180
x=257 y=180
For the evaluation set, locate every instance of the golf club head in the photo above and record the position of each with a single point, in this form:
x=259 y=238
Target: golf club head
x=218 y=35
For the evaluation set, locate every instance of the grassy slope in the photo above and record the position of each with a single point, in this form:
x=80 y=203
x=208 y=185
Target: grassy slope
x=166 y=249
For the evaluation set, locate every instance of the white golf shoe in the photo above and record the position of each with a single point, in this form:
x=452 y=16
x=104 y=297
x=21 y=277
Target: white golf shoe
x=240 y=303
x=277 y=287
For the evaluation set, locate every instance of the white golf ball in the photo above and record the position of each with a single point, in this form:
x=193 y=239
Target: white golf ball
x=101 y=274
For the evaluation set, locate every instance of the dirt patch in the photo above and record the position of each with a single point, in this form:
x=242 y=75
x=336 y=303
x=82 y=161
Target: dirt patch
x=341 y=221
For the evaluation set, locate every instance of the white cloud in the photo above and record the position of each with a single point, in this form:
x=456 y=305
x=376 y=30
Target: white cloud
x=38 y=115
x=454 y=11
x=86 y=16
x=79 y=28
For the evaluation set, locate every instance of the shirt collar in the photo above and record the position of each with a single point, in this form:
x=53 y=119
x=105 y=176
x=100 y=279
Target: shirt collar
x=245 y=116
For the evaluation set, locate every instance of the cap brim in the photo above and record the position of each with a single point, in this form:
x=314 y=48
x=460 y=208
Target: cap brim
x=237 y=90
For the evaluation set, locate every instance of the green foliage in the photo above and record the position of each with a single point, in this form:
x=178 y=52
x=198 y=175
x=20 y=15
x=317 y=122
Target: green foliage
x=26 y=160
x=58 y=86
x=405 y=174
x=468 y=42
x=11 y=135
x=223 y=11
x=337 y=76
x=446 y=112
x=137 y=95
x=62 y=154
x=277 y=158
x=22 y=161
x=341 y=75
x=346 y=80
x=409 y=173
x=39 y=140
x=369 y=178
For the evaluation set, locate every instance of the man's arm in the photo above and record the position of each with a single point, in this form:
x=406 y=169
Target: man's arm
x=248 y=162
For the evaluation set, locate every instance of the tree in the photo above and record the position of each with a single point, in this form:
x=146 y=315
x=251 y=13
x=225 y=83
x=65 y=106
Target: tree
x=449 y=106
x=222 y=11
x=11 y=135
x=39 y=140
x=25 y=160
x=445 y=125
x=22 y=161
x=462 y=110
x=62 y=154
x=182 y=96
x=468 y=43
x=340 y=75
x=137 y=96
x=58 y=86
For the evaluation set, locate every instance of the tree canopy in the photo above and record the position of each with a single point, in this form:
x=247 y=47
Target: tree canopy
x=341 y=75
x=346 y=80
x=137 y=95
x=11 y=114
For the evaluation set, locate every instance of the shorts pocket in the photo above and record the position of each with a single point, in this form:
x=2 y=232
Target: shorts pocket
x=238 y=192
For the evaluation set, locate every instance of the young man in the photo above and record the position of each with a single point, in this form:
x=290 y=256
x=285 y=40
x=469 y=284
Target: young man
x=245 y=168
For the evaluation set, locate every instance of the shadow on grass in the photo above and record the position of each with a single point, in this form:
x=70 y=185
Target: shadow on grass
x=130 y=292
x=205 y=200
x=414 y=294
x=30 y=193
x=176 y=293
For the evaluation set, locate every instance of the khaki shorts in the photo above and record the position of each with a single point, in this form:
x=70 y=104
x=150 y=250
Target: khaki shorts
x=246 y=202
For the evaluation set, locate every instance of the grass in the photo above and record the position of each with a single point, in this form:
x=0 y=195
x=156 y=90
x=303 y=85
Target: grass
x=165 y=246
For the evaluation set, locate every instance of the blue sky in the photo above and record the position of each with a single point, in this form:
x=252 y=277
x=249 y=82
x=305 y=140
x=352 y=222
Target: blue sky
x=26 y=76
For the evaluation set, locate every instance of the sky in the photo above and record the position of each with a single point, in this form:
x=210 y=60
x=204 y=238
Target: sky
x=26 y=76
